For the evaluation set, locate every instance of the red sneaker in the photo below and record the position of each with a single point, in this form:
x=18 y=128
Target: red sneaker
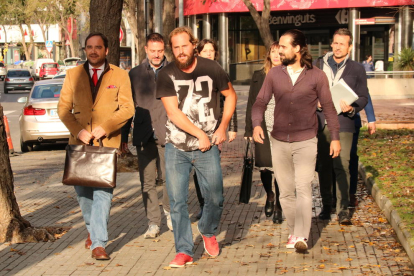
x=181 y=260
x=210 y=245
x=291 y=242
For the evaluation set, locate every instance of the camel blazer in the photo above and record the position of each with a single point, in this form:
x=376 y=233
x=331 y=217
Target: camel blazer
x=113 y=105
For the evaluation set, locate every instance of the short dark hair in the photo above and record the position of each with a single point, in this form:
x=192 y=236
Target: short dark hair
x=367 y=57
x=203 y=43
x=299 y=38
x=104 y=38
x=155 y=37
x=344 y=31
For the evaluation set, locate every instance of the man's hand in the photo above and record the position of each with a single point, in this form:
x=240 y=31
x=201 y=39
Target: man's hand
x=85 y=136
x=258 y=134
x=345 y=108
x=98 y=132
x=203 y=143
x=371 y=128
x=335 y=149
x=319 y=105
x=219 y=136
x=232 y=136
x=124 y=148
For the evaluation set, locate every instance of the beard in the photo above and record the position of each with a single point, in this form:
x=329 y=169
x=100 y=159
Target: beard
x=186 y=64
x=288 y=61
x=155 y=63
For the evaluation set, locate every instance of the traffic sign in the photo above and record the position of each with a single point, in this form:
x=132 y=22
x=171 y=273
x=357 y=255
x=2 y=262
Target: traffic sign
x=49 y=45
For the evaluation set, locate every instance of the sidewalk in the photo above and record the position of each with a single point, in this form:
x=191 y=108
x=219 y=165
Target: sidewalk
x=250 y=243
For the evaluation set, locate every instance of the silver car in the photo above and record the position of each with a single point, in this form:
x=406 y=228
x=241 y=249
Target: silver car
x=39 y=121
x=18 y=79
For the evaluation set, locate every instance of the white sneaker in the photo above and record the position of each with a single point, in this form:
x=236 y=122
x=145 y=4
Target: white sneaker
x=152 y=232
x=291 y=242
x=169 y=222
x=301 y=245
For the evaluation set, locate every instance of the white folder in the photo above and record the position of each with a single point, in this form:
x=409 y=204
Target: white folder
x=342 y=91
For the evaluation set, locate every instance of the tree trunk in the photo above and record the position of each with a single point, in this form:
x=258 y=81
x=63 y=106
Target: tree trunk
x=168 y=19
x=130 y=10
x=262 y=21
x=24 y=41
x=105 y=17
x=70 y=35
x=141 y=35
x=31 y=44
x=13 y=227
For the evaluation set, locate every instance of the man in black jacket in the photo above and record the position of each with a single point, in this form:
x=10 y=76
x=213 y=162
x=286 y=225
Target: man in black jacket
x=337 y=65
x=149 y=131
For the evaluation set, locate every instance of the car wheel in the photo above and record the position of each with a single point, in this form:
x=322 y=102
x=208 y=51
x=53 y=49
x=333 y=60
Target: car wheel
x=6 y=91
x=26 y=146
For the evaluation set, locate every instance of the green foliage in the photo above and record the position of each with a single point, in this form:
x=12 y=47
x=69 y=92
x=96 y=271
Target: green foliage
x=405 y=59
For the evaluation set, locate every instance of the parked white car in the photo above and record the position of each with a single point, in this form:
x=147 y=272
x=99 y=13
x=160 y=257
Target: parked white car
x=68 y=63
x=3 y=71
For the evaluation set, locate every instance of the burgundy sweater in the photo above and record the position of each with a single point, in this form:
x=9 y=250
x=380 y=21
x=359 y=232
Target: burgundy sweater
x=295 y=113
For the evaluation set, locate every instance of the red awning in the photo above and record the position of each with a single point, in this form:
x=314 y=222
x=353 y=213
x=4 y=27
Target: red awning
x=217 y=6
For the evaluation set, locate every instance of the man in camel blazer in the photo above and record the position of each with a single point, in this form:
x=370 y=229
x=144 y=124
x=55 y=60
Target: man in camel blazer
x=95 y=102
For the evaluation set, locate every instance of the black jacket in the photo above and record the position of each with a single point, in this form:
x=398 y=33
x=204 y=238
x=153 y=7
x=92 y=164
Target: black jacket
x=355 y=76
x=150 y=113
x=263 y=156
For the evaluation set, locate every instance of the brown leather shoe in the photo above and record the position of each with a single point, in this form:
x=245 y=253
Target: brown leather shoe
x=88 y=242
x=99 y=253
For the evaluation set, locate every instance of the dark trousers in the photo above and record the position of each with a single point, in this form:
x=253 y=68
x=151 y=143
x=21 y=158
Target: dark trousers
x=339 y=166
x=353 y=163
x=147 y=166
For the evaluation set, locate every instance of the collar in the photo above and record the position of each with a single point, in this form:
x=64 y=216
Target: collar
x=329 y=58
x=290 y=69
x=101 y=68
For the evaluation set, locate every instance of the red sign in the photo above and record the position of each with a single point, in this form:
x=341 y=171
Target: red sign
x=16 y=55
x=217 y=6
x=121 y=34
x=365 y=21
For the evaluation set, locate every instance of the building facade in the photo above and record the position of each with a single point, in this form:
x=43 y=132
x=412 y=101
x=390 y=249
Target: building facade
x=381 y=28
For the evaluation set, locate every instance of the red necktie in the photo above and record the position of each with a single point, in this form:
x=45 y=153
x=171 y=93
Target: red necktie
x=95 y=76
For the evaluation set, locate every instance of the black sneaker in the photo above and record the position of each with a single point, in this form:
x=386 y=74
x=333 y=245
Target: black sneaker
x=277 y=217
x=344 y=219
x=325 y=214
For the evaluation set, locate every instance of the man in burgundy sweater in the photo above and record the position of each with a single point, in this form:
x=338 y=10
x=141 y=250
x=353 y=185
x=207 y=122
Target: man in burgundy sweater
x=297 y=87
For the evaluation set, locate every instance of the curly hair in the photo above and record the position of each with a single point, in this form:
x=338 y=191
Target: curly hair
x=180 y=30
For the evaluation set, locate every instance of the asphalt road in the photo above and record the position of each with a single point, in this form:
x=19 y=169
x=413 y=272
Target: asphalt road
x=12 y=109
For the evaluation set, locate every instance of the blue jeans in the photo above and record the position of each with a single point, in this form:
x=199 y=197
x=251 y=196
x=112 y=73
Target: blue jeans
x=95 y=204
x=178 y=166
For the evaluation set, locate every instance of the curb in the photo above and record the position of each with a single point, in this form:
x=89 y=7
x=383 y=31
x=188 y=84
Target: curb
x=403 y=235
